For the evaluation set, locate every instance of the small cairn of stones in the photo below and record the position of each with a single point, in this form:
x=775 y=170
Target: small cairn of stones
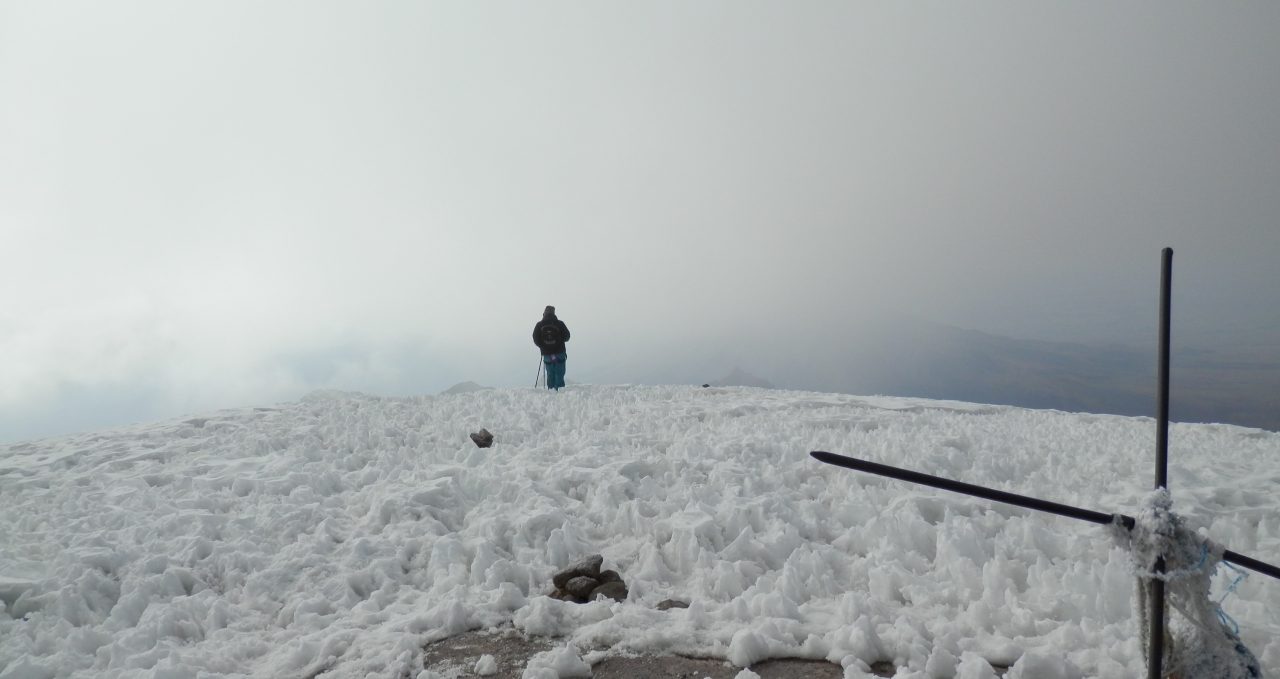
x=584 y=581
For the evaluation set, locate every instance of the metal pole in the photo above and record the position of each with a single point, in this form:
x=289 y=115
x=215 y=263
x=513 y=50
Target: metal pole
x=1018 y=500
x=1250 y=563
x=538 y=374
x=970 y=489
x=1162 y=397
x=1155 y=651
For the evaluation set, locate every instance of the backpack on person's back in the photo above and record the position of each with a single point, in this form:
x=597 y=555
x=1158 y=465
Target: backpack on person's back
x=550 y=335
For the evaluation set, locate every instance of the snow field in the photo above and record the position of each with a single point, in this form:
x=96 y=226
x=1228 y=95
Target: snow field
x=343 y=532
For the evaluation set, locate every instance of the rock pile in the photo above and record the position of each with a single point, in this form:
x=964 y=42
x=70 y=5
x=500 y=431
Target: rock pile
x=584 y=581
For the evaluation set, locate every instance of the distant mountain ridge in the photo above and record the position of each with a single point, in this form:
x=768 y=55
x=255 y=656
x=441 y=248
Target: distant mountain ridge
x=973 y=366
x=741 y=378
x=909 y=357
x=464 y=388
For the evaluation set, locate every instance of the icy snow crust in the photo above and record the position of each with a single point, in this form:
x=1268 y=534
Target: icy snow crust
x=343 y=532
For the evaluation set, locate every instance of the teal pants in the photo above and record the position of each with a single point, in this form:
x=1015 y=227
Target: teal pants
x=555 y=369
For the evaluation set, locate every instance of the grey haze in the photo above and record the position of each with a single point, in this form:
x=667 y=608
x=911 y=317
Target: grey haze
x=210 y=205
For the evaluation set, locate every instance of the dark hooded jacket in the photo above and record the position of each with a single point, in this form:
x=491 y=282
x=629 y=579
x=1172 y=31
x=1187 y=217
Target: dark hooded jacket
x=561 y=328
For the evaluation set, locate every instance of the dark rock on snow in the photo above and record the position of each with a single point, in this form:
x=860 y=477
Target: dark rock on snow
x=615 y=590
x=482 y=438
x=561 y=595
x=584 y=581
x=589 y=567
x=581 y=586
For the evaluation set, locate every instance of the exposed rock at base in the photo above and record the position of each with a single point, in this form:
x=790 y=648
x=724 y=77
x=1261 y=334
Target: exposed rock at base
x=457 y=656
x=609 y=576
x=669 y=604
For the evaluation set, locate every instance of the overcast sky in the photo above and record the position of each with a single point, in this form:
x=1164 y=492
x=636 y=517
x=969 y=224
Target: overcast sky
x=229 y=203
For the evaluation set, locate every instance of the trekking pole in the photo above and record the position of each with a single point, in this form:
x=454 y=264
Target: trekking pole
x=537 y=375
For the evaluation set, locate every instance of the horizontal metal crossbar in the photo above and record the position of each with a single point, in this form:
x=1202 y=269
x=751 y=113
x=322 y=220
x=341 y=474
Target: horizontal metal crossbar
x=1018 y=500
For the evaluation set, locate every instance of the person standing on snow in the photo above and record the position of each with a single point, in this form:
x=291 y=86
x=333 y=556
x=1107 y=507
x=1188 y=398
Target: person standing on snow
x=550 y=334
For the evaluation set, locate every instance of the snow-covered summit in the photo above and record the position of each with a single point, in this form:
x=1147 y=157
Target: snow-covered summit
x=343 y=532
